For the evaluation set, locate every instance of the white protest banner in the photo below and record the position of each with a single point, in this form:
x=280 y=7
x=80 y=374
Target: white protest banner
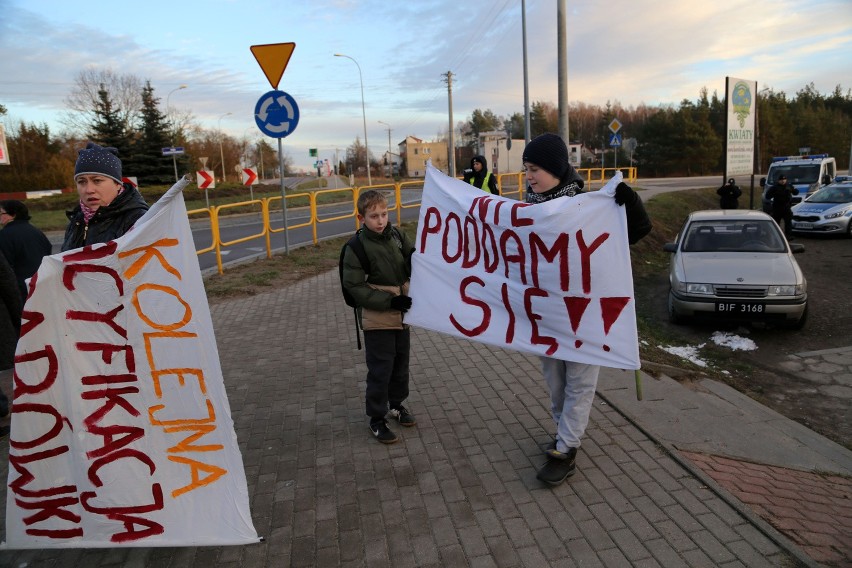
x=121 y=431
x=550 y=279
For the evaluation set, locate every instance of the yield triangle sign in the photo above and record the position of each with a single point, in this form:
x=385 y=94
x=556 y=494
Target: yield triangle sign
x=273 y=59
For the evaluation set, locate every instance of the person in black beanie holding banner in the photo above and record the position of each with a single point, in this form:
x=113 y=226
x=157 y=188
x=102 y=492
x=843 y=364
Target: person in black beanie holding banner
x=108 y=207
x=572 y=385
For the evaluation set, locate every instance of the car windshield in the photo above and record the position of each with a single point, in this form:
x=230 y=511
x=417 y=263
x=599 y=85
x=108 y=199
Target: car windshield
x=733 y=235
x=803 y=173
x=832 y=194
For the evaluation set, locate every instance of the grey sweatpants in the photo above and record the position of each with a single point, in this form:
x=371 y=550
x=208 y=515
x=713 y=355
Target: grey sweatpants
x=572 y=391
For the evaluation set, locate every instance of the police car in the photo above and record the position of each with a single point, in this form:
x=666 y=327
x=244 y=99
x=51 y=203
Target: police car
x=806 y=173
x=828 y=211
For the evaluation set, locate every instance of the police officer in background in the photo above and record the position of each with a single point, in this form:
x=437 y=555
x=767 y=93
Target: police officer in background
x=729 y=194
x=781 y=195
x=479 y=176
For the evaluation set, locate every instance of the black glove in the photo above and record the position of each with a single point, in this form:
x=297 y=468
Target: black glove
x=401 y=303
x=623 y=194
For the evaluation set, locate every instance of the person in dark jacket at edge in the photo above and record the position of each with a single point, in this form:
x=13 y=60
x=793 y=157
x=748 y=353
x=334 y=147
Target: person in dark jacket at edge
x=108 y=207
x=572 y=385
x=10 y=329
x=729 y=195
x=22 y=244
x=479 y=176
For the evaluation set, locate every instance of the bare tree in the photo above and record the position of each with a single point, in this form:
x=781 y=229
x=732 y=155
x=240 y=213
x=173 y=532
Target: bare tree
x=125 y=92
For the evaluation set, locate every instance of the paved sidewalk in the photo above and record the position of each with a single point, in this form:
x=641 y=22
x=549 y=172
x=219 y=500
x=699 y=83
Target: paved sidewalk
x=459 y=489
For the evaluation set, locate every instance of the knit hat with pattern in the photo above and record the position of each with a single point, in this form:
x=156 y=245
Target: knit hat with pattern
x=94 y=159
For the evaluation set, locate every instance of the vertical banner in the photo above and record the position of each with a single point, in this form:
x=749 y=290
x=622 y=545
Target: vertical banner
x=740 y=127
x=4 y=149
x=121 y=430
x=550 y=279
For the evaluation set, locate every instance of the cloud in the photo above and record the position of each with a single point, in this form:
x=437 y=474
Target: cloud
x=631 y=51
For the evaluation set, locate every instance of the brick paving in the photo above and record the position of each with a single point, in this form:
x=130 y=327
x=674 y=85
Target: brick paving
x=458 y=490
x=814 y=510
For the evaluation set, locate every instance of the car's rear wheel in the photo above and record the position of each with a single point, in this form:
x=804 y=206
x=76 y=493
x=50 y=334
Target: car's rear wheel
x=674 y=317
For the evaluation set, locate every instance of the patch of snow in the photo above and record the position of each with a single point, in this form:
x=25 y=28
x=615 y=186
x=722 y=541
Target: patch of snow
x=688 y=352
x=734 y=342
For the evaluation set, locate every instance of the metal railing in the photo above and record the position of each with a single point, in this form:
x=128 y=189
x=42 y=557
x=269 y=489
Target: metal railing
x=509 y=184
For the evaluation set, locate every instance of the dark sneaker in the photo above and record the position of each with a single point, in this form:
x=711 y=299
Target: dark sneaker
x=555 y=471
x=552 y=452
x=403 y=416
x=382 y=433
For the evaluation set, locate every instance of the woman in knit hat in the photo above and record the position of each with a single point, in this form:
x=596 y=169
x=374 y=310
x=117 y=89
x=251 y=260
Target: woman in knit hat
x=108 y=207
x=572 y=385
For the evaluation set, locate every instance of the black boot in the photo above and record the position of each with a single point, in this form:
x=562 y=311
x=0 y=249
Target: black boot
x=555 y=471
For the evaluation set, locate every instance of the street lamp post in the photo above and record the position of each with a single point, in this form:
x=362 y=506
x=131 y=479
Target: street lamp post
x=172 y=137
x=363 y=114
x=221 y=152
x=390 y=160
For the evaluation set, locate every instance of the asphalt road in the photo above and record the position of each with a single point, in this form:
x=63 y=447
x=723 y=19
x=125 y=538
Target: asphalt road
x=330 y=225
x=237 y=228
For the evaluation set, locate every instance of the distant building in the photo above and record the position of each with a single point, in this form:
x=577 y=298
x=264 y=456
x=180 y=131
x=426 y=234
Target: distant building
x=390 y=164
x=503 y=160
x=415 y=153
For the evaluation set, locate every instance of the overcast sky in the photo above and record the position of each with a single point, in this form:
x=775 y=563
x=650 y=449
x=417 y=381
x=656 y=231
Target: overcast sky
x=631 y=51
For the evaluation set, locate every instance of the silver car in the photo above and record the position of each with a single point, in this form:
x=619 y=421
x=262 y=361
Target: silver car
x=735 y=265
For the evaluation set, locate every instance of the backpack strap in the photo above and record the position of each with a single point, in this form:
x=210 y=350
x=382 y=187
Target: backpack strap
x=357 y=247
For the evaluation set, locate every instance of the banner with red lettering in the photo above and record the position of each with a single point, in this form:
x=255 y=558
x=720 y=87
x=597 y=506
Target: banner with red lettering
x=551 y=279
x=121 y=429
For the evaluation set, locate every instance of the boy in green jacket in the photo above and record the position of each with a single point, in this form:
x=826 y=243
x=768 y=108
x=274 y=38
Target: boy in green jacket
x=382 y=299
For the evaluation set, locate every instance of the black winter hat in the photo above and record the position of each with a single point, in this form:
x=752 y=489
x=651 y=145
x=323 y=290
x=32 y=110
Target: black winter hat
x=94 y=159
x=548 y=151
x=481 y=159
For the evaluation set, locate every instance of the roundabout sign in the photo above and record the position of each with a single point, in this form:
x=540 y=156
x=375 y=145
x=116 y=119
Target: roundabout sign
x=276 y=114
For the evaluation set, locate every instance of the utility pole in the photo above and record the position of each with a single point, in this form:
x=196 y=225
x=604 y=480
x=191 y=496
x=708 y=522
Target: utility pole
x=452 y=148
x=526 y=78
x=390 y=156
x=562 y=66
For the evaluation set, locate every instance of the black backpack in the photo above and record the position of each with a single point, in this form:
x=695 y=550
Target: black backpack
x=358 y=248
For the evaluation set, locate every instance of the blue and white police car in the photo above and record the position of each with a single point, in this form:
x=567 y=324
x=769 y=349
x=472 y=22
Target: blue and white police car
x=828 y=211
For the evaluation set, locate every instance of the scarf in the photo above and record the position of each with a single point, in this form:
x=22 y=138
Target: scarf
x=568 y=190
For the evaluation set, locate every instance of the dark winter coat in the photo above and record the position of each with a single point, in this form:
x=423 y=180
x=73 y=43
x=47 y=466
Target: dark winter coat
x=389 y=254
x=108 y=223
x=10 y=314
x=781 y=196
x=728 y=196
x=24 y=246
x=483 y=179
x=638 y=222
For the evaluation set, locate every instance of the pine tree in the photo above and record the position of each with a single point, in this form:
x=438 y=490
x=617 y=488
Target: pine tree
x=107 y=129
x=147 y=162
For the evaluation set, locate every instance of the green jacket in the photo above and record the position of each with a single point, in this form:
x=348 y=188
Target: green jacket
x=390 y=270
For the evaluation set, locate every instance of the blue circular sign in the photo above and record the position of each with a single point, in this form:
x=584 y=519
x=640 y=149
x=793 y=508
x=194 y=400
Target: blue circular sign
x=276 y=114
